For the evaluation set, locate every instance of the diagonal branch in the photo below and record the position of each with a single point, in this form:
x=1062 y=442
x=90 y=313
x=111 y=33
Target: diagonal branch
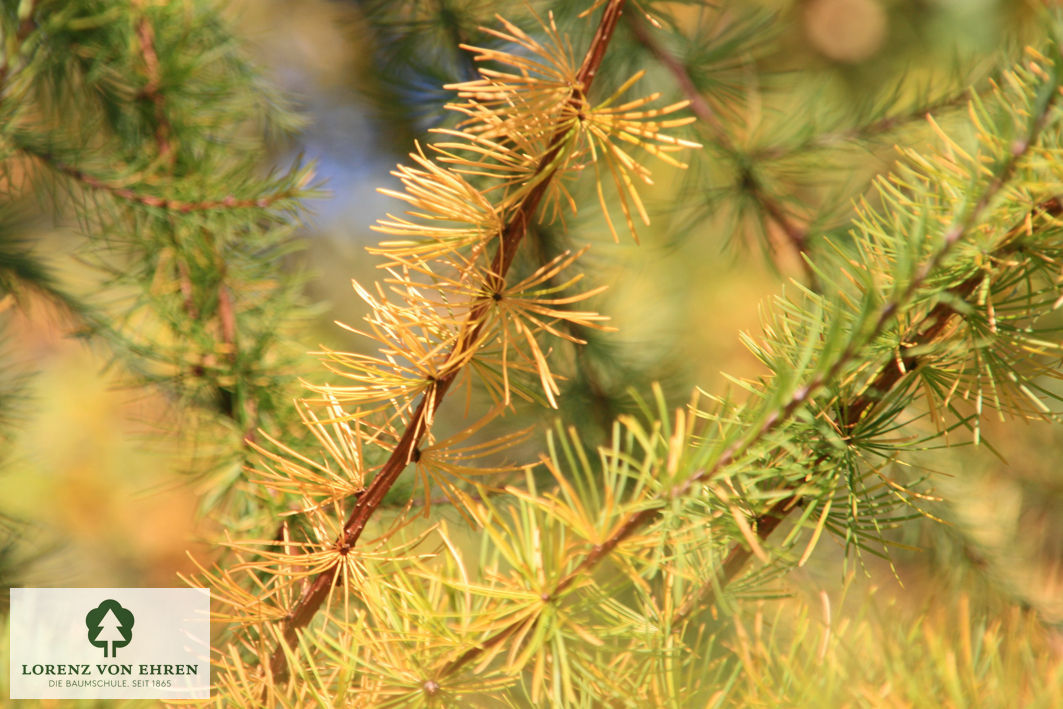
x=368 y=501
x=149 y=200
x=151 y=91
x=890 y=375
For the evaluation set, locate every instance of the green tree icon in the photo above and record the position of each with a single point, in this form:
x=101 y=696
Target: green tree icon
x=110 y=623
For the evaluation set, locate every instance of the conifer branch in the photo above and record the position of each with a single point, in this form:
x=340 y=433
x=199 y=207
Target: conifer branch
x=512 y=234
x=229 y=202
x=235 y=406
x=538 y=611
x=93 y=106
x=239 y=411
x=953 y=235
x=887 y=378
x=151 y=91
x=941 y=312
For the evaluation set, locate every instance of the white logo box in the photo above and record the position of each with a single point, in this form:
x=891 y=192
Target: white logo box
x=110 y=643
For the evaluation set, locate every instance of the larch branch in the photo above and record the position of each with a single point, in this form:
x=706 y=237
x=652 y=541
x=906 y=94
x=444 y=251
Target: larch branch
x=890 y=375
x=149 y=200
x=370 y=499
x=152 y=90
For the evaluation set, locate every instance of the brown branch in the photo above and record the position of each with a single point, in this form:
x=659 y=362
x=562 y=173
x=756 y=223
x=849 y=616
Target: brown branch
x=370 y=499
x=937 y=320
x=698 y=104
x=149 y=200
x=151 y=91
x=796 y=234
x=235 y=405
x=238 y=405
x=888 y=377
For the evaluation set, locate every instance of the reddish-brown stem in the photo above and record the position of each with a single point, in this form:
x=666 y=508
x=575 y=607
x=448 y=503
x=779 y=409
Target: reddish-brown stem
x=149 y=200
x=368 y=501
x=698 y=104
x=151 y=92
x=889 y=376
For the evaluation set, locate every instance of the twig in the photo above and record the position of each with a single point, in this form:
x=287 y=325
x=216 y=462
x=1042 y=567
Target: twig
x=889 y=376
x=235 y=405
x=149 y=200
x=151 y=92
x=764 y=524
x=370 y=499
